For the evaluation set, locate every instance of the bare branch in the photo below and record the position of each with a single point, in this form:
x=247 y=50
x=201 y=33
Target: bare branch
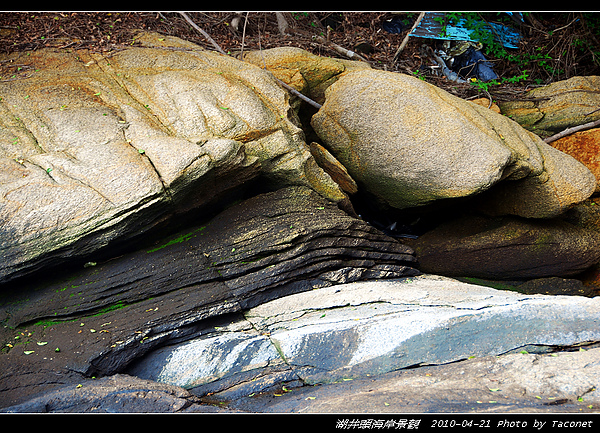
x=244 y=36
x=211 y=40
x=405 y=41
x=348 y=53
x=206 y=35
x=571 y=130
x=298 y=94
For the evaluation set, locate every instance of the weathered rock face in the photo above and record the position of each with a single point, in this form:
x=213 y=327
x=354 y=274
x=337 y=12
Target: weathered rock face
x=367 y=329
x=271 y=245
x=308 y=73
x=558 y=106
x=584 y=146
x=410 y=144
x=95 y=148
x=505 y=248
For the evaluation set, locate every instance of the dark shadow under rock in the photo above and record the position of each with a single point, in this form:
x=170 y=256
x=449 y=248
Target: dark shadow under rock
x=97 y=321
x=556 y=286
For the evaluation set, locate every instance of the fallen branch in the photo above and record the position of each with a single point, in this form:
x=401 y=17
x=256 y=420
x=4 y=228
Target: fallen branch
x=343 y=51
x=299 y=95
x=219 y=49
x=206 y=35
x=571 y=130
x=405 y=41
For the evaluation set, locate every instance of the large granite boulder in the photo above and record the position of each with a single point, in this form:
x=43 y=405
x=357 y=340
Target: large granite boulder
x=95 y=147
x=306 y=72
x=553 y=108
x=410 y=144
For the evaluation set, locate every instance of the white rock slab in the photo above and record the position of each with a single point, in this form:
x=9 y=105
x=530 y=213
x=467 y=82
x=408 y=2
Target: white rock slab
x=367 y=328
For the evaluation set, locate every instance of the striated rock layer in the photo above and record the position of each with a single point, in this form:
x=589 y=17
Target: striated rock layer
x=105 y=315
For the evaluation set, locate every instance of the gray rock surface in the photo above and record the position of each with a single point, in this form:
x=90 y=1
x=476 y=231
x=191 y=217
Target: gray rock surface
x=115 y=394
x=560 y=382
x=368 y=348
x=365 y=329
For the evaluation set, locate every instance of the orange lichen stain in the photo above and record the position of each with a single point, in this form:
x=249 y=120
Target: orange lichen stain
x=584 y=146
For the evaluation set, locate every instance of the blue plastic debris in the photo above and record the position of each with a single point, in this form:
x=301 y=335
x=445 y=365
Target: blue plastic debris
x=472 y=63
x=430 y=27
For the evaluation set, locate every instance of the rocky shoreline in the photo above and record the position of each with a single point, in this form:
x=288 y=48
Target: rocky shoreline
x=173 y=242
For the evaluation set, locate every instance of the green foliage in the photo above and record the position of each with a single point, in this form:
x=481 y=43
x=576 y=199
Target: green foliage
x=532 y=60
x=486 y=85
x=298 y=16
x=182 y=238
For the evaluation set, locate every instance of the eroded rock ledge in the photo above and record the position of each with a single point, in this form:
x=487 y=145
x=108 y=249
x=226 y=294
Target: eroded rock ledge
x=111 y=313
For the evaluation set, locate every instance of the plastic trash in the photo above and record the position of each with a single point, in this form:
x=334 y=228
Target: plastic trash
x=472 y=63
x=468 y=62
x=430 y=27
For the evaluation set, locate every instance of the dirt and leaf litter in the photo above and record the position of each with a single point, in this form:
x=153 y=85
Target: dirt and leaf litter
x=552 y=45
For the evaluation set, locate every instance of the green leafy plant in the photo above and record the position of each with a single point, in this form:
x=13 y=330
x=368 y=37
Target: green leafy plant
x=481 y=32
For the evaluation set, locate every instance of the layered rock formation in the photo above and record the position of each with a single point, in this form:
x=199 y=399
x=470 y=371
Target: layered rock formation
x=102 y=317
x=369 y=328
x=177 y=187
x=478 y=350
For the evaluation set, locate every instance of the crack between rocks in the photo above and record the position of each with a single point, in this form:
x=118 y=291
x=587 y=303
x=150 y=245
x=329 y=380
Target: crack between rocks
x=277 y=346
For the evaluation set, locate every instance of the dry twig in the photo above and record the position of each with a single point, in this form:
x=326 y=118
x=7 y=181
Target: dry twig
x=343 y=51
x=219 y=49
x=572 y=130
x=405 y=41
x=206 y=35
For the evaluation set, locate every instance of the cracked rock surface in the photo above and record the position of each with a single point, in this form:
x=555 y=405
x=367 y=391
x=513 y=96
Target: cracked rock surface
x=369 y=328
x=95 y=148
